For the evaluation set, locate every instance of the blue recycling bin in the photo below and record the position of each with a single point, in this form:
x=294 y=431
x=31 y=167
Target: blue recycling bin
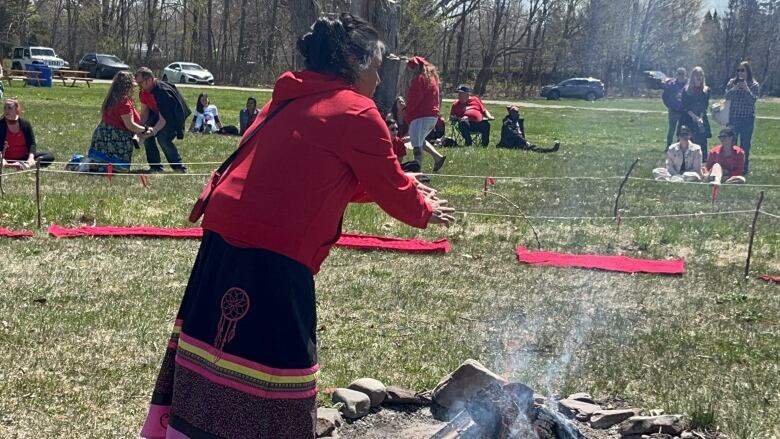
x=45 y=77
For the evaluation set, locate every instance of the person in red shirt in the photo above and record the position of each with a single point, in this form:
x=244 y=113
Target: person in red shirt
x=243 y=358
x=472 y=116
x=726 y=160
x=17 y=139
x=165 y=111
x=399 y=147
x=114 y=138
x=422 y=108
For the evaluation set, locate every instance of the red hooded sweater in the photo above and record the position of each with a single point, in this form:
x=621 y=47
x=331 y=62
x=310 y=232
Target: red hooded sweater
x=422 y=99
x=288 y=188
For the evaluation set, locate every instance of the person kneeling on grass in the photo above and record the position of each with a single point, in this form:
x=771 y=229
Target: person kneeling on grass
x=683 y=160
x=512 y=135
x=117 y=134
x=726 y=160
x=17 y=139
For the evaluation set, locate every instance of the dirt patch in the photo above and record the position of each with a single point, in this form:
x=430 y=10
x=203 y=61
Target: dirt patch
x=408 y=422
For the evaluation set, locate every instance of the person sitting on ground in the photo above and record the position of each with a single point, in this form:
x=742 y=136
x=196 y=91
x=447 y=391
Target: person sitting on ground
x=114 y=138
x=726 y=160
x=513 y=135
x=206 y=118
x=247 y=115
x=435 y=136
x=398 y=114
x=683 y=160
x=17 y=139
x=472 y=116
x=399 y=148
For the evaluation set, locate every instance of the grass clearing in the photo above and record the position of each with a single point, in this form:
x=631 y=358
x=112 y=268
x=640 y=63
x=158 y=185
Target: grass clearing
x=84 y=322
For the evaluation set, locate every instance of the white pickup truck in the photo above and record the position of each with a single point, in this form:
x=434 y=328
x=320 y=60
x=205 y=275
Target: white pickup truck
x=36 y=55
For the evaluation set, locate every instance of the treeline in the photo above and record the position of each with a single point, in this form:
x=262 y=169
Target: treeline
x=501 y=47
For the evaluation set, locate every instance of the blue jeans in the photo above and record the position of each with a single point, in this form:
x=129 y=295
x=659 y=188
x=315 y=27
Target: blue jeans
x=743 y=127
x=165 y=139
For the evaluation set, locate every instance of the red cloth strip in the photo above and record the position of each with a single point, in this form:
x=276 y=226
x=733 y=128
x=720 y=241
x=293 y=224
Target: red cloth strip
x=770 y=278
x=14 y=233
x=609 y=263
x=369 y=242
x=348 y=240
x=154 y=232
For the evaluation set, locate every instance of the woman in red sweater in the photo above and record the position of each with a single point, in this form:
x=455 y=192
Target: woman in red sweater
x=114 y=138
x=422 y=108
x=17 y=139
x=242 y=360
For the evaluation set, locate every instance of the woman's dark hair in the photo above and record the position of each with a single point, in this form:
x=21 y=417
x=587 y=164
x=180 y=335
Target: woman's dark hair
x=342 y=46
x=121 y=88
x=746 y=65
x=252 y=99
x=198 y=105
x=395 y=112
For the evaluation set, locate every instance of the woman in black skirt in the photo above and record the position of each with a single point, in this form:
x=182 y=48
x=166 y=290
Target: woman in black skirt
x=242 y=360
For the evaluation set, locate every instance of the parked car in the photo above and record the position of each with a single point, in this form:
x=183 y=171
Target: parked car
x=584 y=88
x=187 y=73
x=22 y=56
x=655 y=79
x=100 y=65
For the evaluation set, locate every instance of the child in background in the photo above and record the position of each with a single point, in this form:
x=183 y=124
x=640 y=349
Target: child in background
x=399 y=148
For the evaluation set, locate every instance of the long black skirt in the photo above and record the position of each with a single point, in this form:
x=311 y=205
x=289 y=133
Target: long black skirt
x=242 y=359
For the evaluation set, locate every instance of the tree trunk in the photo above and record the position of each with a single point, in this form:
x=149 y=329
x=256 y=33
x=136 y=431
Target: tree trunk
x=459 y=45
x=384 y=15
x=303 y=13
x=486 y=71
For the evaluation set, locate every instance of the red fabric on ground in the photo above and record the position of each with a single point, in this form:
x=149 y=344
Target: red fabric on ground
x=14 y=233
x=154 y=232
x=368 y=242
x=348 y=240
x=770 y=278
x=609 y=263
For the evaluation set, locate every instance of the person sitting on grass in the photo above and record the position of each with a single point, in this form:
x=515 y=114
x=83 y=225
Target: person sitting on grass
x=247 y=115
x=17 y=139
x=472 y=116
x=726 y=160
x=399 y=147
x=683 y=160
x=206 y=118
x=115 y=137
x=512 y=135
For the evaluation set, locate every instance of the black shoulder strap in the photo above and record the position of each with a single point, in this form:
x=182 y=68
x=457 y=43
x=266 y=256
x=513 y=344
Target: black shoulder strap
x=248 y=137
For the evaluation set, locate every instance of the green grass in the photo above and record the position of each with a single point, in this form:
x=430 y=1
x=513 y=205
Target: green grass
x=83 y=322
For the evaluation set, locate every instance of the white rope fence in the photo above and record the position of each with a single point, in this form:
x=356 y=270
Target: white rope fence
x=610 y=218
x=769 y=214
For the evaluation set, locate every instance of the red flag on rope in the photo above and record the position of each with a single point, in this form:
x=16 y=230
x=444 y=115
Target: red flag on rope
x=110 y=172
x=144 y=180
x=715 y=190
x=489 y=181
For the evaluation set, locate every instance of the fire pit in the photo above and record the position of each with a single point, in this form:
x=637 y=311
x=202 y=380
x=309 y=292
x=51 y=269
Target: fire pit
x=507 y=411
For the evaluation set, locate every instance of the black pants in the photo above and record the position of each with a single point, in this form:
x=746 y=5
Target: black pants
x=466 y=128
x=165 y=139
x=44 y=157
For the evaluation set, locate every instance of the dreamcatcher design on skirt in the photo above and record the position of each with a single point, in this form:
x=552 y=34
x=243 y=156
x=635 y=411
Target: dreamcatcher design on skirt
x=235 y=305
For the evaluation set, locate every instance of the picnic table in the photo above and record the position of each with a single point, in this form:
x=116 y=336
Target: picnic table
x=73 y=76
x=22 y=75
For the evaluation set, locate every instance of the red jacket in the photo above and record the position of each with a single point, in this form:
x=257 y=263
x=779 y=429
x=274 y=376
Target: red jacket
x=422 y=99
x=732 y=165
x=288 y=188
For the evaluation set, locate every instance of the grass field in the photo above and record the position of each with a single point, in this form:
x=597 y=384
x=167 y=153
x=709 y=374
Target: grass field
x=83 y=322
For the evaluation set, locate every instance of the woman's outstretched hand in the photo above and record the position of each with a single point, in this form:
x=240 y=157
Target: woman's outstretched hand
x=442 y=212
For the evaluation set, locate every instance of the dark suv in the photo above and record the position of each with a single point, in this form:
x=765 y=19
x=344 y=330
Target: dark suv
x=100 y=65
x=584 y=88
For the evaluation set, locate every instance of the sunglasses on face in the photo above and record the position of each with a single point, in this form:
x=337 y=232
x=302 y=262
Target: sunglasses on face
x=741 y=70
x=9 y=106
x=724 y=137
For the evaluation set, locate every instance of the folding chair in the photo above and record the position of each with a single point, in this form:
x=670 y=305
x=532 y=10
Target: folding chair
x=458 y=137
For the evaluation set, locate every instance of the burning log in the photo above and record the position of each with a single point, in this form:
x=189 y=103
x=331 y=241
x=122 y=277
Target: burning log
x=508 y=412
